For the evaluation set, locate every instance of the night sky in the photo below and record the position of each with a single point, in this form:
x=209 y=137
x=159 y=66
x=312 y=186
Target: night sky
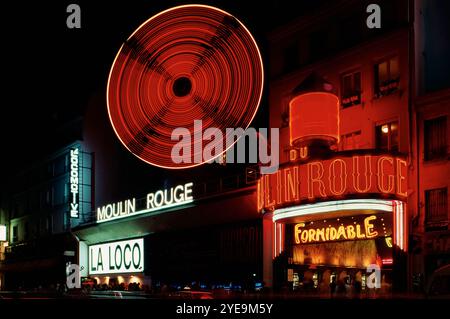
x=50 y=72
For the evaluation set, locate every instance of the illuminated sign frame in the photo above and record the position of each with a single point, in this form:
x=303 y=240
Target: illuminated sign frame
x=359 y=227
x=156 y=201
x=74 y=203
x=339 y=177
x=332 y=206
x=396 y=207
x=118 y=257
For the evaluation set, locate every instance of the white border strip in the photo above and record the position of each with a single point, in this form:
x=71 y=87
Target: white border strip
x=332 y=206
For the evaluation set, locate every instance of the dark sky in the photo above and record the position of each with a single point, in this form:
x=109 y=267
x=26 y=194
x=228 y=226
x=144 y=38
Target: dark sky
x=50 y=72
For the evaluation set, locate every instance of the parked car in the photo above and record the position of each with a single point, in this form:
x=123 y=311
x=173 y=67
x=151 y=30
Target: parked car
x=439 y=284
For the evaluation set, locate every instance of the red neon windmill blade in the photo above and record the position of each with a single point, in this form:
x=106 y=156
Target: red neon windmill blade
x=187 y=63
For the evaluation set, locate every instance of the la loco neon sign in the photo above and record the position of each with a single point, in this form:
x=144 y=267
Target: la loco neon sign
x=117 y=257
x=338 y=177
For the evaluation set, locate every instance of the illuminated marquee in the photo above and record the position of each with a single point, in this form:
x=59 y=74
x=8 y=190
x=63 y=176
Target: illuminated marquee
x=74 y=183
x=117 y=257
x=161 y=199
x=335 y=178
x=348 y=228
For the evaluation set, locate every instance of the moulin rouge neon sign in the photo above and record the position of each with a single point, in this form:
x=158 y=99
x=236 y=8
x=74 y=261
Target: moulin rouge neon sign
x=161 y=199
x=338 y=177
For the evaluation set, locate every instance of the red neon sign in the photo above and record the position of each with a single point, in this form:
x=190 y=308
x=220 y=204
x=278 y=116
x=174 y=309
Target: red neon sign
x=314 y=116
x=187 y=63
x=339 y=177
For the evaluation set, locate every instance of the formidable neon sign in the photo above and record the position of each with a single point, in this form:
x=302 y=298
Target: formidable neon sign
x=175 y=196
x=339 y=177
x=359 y=227
x=74 y=183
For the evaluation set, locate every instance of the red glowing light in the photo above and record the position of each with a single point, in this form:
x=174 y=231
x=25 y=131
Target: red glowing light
x=314 y=116
x=387 y=261
x=400 y=225
x=191 y=62
x=335 y=178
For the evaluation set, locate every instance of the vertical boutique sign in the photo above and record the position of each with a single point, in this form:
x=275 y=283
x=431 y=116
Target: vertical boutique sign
x=74 y=181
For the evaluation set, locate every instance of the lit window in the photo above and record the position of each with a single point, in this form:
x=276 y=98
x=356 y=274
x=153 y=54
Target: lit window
x=387 y=76
x=387 y=136
x=435 y=138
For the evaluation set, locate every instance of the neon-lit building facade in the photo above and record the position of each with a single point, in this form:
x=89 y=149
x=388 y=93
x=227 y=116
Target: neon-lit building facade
x=363 y=177
x=314 y=207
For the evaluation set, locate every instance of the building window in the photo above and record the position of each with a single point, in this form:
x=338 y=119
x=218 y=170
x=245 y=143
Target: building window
x=42 y=199
x=351 y=89
x=52 y=199
x=435 y=138
x=15 y=234
x=351 y=141
x=48 y=197
x=387 y=76
x=46 y=225
x=387 y=136
x=50 y=169
x=436 y=213
x=66 y=193
x=49 y=224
